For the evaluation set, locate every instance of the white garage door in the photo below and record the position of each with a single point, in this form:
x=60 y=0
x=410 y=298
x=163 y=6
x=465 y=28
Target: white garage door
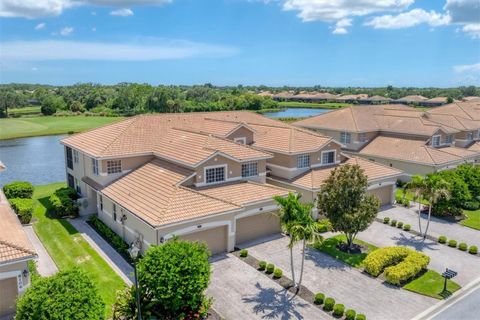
x=383 y=193
x=215 y=238
x=257 y=226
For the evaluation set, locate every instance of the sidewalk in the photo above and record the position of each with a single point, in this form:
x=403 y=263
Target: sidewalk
x=112 y=257
x=45 y=264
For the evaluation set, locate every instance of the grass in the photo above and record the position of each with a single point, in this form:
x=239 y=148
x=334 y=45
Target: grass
x=24 y=111
x=323 y=105
x=329 y=246
x=409 y=196
x=431 y=284
x=473 y=219
x=40 y=126
x=68 y=248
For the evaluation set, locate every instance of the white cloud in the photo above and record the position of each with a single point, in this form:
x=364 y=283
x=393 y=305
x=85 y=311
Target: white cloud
x=467 y=68
x=465 y=13
x=46 y=8
x=473 y=29
x=124 y=12
x=409 y=19
x=94 y=29
x=146 y=50
x=40 y=26
x=341 y=26
x=66 y=31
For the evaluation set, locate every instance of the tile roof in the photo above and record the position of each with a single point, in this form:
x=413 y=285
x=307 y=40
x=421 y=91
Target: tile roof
x=314 y=178
x=412 y=98
x=475 y=147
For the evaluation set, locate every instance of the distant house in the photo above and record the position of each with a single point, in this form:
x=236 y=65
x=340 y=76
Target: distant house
x=283 y=96
x=265 y=94
x=375 y=100
x=435 y=102
x=414 y=99
x=351 y=98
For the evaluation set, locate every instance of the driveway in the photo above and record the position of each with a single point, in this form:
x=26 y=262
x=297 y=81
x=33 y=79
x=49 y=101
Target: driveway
x=438 y=227
x=347 y=285
x=241 y=292
x=441 y=256
x=45 y=264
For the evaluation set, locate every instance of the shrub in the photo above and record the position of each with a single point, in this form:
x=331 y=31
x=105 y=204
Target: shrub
x=361 y=317
x=471 y=205
x=23 y=208
x=473 y=250
x=393 y=223
x=319 y=298
x=63 y=202
x=386 y=220
x=18 y=189
x=462 y=246
x=452 y=243
x=399 y=224
x=243 y=253
x=338 y=310
x=329 y=303
x=399 y=263
x=114 y=239
x=442 y=239
x=67 y=295
x=324 y=225
x=350 y=314
x=277 y=273
x=270 y=267
x=262 y=265
x=407 y=227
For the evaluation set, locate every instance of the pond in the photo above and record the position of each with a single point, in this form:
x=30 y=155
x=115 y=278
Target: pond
x=295 y=113
x=39 y=160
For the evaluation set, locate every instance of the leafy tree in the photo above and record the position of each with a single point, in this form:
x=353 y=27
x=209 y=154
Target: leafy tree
x=435 y=188
x=9 y=99
x=344 y=200
x=66 y=295
x=416 y=186
x=77 y=106
x=51 y=104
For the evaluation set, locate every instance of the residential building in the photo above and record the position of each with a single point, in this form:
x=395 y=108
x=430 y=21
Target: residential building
x=403 y=137
x=412 y=99
x=199 y=176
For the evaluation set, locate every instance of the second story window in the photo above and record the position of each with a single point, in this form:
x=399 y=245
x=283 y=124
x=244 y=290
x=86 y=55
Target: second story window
x=75 y=156
x=69 y=157
x=95 y=167
x=362 y=137
x=249 y=169
x=114 y=166
x=216 y=174
x=436 y=141
x=114 y=212
x=328 y=157
x=241 y=140
x=345 y=137
x=470 y=136
x=449 y=139
x=303 y=161
x=100 y=198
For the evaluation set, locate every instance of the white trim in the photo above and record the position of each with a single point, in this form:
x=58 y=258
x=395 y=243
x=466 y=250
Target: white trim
x=10 y=274
x=282 y=167
x=240 y=140
x=203 y=184
x=225 y=173
x=256 y=211
x=31 y=257
x=326 y=165
x=334 y=157
x=194 y=229
x=439 y=140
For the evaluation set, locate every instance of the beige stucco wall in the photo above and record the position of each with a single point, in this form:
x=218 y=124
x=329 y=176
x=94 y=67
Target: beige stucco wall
x=407 y=167
x=233 y=171
x=242 y=132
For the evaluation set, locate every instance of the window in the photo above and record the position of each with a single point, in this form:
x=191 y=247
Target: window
x=303 y=161
x=362 y=137
x=216 y=174
x=470 y=136
x=100 y=198
x=95 y=166
x=114 y=166
x=249 y=169
x=328 y=157
x=241 y=140
x=70 y=181
x=69 y=157
x=345 y=137
x=114 y=212
x=75 y=156
x=77 y=186
x=449 y=139
x=436 y=141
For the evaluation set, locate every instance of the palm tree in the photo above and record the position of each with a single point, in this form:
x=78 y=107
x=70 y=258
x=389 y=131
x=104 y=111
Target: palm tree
x=416 y=186
x=435 y=188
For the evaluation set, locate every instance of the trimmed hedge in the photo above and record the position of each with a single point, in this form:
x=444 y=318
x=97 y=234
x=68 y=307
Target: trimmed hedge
x=329 y=303
x=350 y=314
x=338 y=310
x=393 y=223
x=471 y=205
x=442 y=239
x=361 y=317
x=23 y=208
x=319 y=298
x=398 y=263
x=243 y=253
x=270 y=268
x=452 y=243
x=63 y=202
x=473 y=250
x=386 y=220
x=262 y=265
x=277 y=273
x=114 y=239
x=400 y=224
x=18 y=189
x=463 y=246
x=407 y=227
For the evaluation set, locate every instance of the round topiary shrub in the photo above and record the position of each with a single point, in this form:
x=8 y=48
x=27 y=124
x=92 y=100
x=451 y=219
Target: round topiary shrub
x=471 y=205
x=473 y=250
x=361 y=317
x=442 y=239
x=270 y=268
x=386 y=220
x=452 y=243
x=399 y=224
x=328 y=304
x=277 y=273
x=319 y=298
x=243 y=253
x=338 y=310
x=18 y=189
x=407 y=227
x=350 y=314
x=463 y=246
x=393 y=223
x=262 y=265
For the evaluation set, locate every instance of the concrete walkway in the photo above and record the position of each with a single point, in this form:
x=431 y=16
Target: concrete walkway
x=438 y=227
x=45 y=264
x=112 y=257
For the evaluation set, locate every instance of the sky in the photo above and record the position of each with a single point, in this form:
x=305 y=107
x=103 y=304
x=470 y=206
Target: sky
x=367 y=43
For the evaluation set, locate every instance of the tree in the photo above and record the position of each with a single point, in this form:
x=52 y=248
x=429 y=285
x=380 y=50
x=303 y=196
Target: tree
x=435 y=189
x=344 y=200
x=9 y=99
x=51 y=104
x=416 y=186
x=67 y=295
x=77 y=106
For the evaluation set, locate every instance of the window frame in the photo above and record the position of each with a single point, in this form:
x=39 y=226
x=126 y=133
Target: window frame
x=114 y=212
x=114 y=166
x=439 y=138
x=246 y=168
x=100 y=202
x=449 y=138
x=362 y=137
x=323 y=153
x=76 y=156
x=240 y=140
x=301 y=163
x=95 y=167
x=69 y=157
x=345 y=134
x=215 y=180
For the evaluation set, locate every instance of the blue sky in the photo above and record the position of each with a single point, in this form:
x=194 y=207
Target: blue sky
x=250 y=42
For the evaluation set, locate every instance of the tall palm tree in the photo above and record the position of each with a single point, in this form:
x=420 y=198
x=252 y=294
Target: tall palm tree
x=417 y=186
x=435 y=188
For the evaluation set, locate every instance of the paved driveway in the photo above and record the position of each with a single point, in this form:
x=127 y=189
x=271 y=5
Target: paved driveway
x=438 y=227
x=346 y=284
x=441 y=256
x=241 y=292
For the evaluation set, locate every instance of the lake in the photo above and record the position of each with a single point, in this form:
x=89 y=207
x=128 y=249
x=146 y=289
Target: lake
x=295 y=113
x=39 y=160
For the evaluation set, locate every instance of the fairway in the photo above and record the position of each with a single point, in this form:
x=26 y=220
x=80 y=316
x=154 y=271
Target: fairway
x=42 y=126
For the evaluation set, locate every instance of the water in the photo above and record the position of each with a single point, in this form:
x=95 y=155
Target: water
x=296 y=113
x=39 y=160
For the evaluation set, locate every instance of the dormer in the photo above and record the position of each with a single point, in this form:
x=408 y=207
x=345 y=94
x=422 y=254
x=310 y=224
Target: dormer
x=242 y=134
x=442 y=138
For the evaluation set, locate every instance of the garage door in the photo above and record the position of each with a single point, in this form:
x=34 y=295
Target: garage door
x=215 y=238
x=8 y=294
x=384 y=194
x=257 y=226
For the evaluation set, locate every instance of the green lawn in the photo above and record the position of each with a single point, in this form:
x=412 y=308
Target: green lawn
x=68 y=248
x=431 y=284
x=24 y=111
x=324 y=105
x=409 y=195
x=329 y=246
x=40 y=126
x=473 y=219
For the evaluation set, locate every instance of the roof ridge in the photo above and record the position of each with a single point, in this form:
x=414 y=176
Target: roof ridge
x=353 y=118
x=271 y=186
x=8 y=243
x=208 y=196
x=133 y=120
